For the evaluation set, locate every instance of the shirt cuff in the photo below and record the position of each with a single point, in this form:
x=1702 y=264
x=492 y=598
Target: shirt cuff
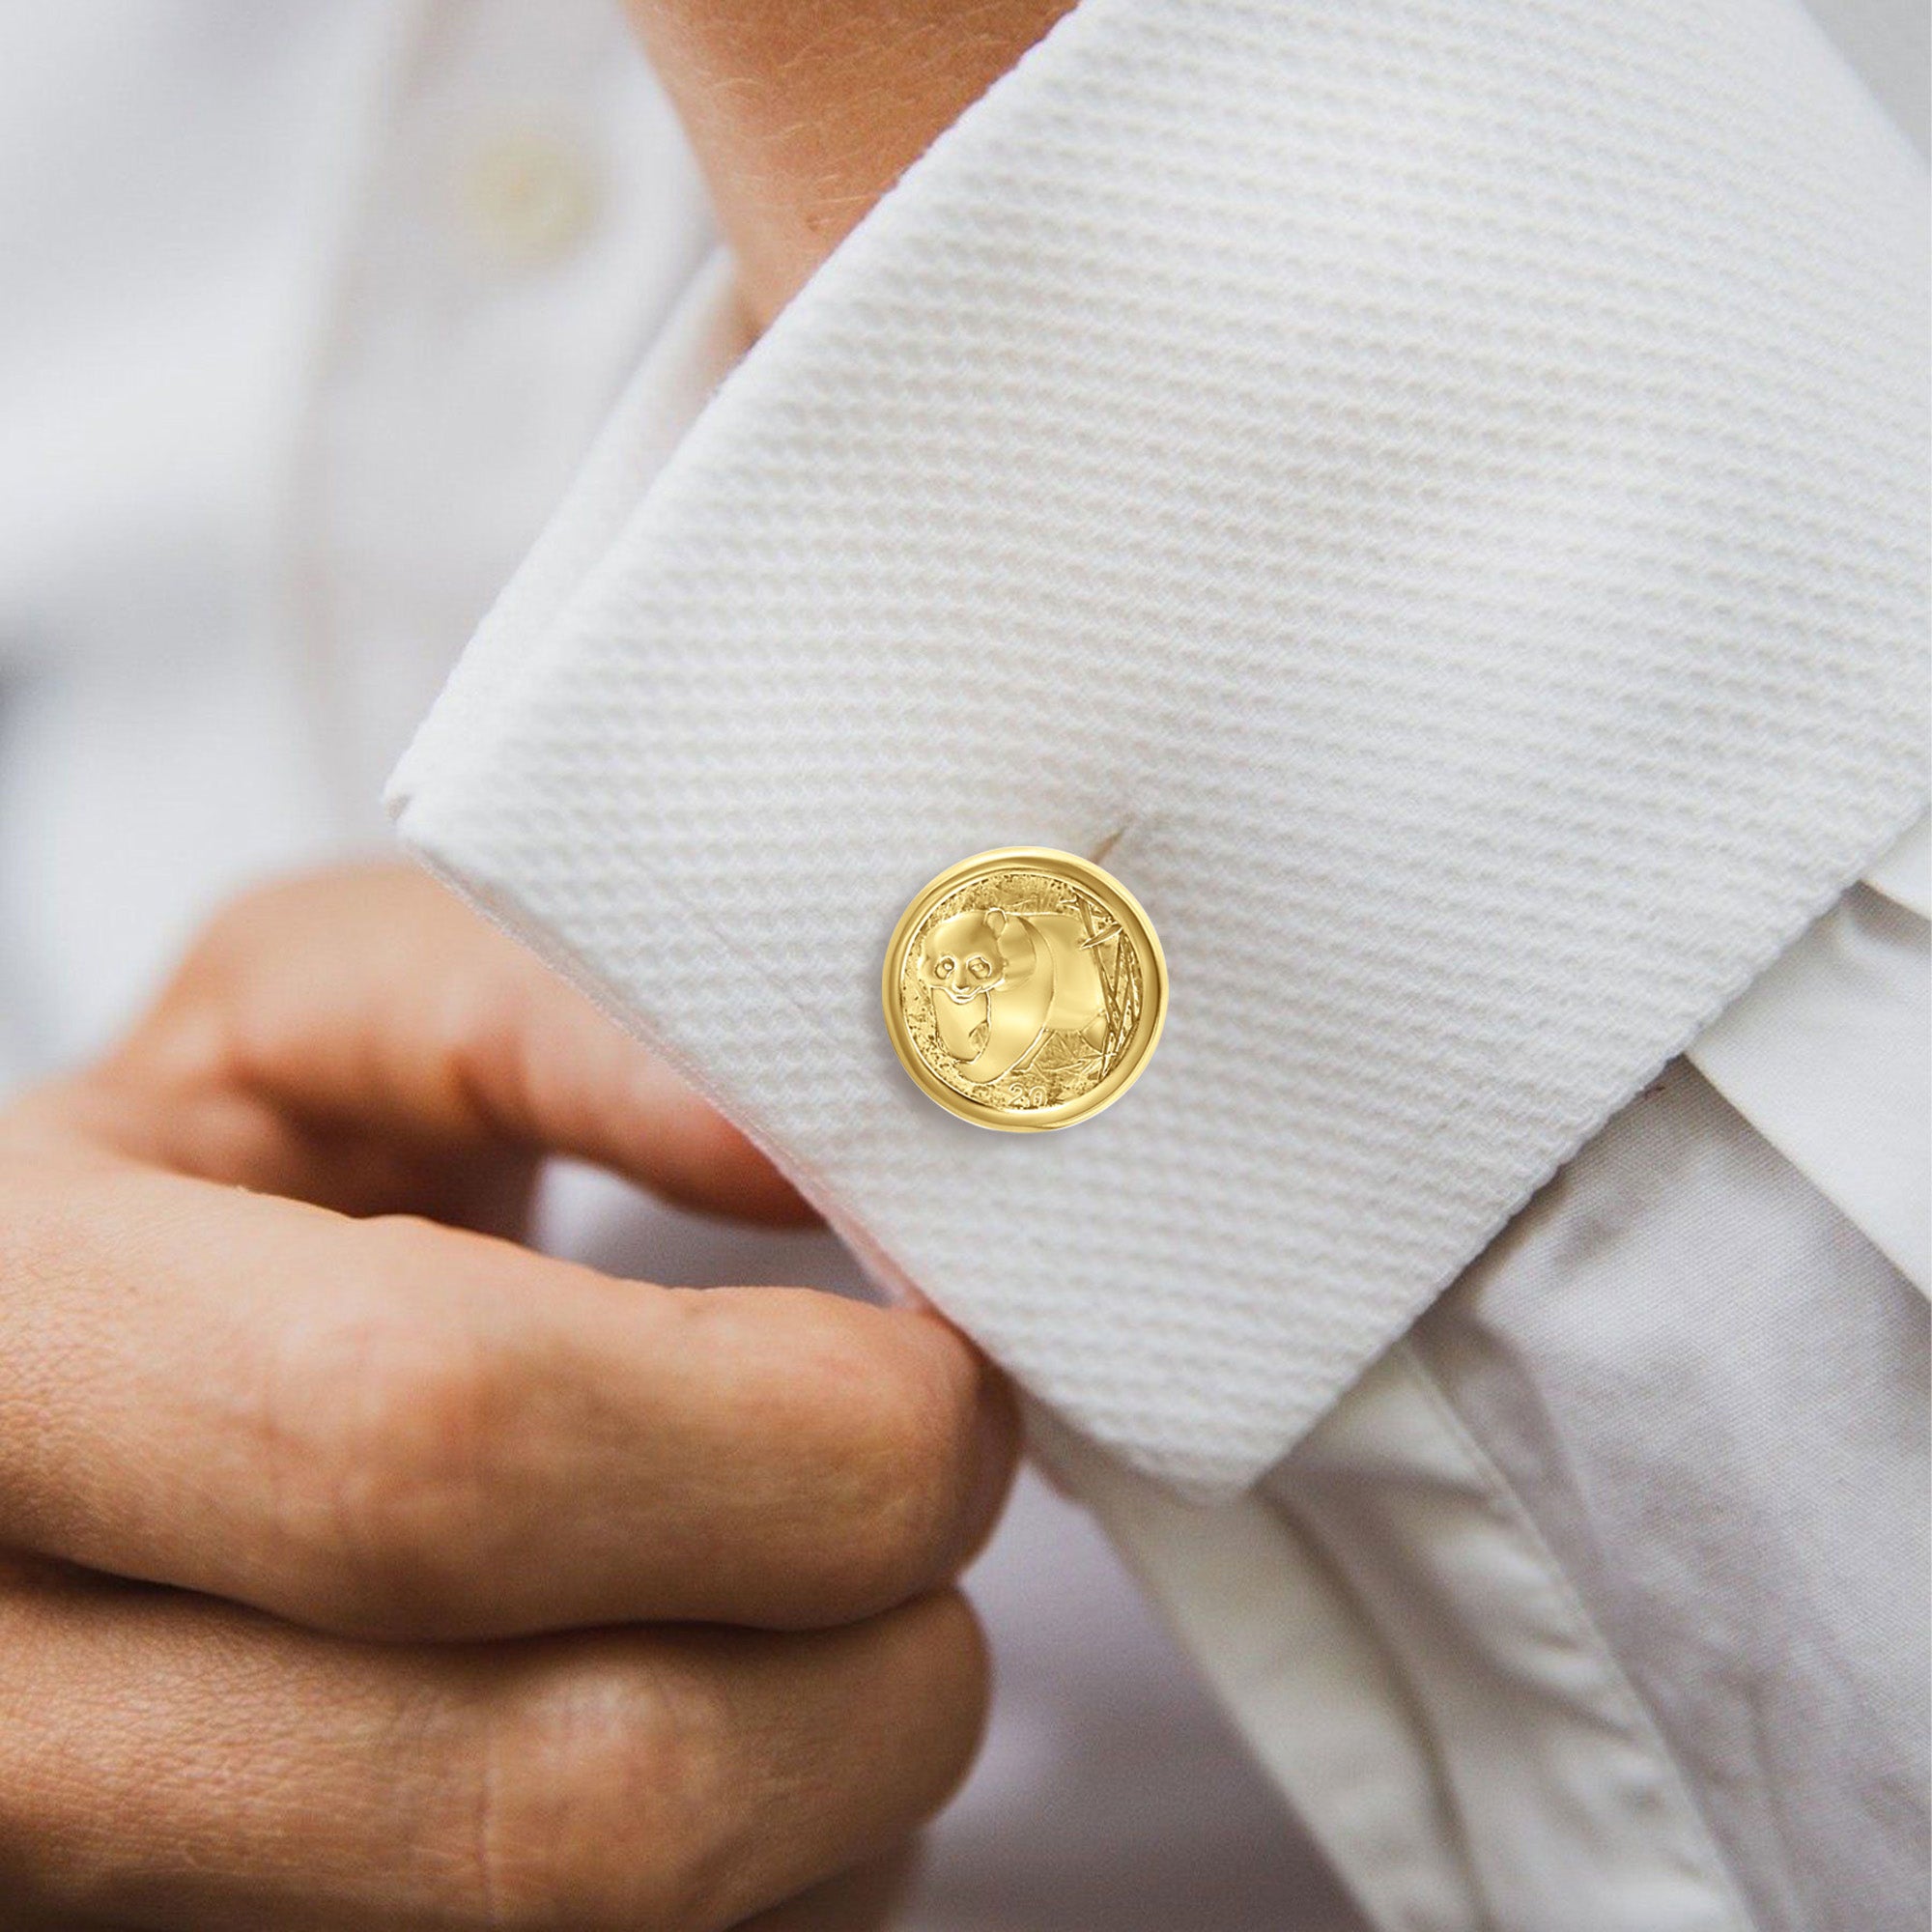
x=1436 y=491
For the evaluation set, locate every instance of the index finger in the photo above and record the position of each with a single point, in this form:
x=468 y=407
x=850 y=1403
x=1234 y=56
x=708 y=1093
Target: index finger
x=389 y=1428
x=391 y=1043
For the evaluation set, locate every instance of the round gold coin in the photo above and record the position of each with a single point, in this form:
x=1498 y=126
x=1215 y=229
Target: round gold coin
x=1025 y=989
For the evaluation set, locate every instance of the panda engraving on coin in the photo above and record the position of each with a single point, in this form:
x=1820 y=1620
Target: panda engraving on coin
x=1024 y=988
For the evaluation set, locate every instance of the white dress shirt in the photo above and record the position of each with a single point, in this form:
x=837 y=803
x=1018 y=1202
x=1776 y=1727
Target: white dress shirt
x=1437 y=495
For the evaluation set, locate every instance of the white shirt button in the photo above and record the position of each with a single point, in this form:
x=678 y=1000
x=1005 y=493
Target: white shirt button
x=530 y=194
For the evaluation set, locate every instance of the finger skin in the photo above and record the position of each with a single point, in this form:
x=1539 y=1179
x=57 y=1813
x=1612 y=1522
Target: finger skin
x=168 y=1762
x=391 y=1428
x=361 y=1040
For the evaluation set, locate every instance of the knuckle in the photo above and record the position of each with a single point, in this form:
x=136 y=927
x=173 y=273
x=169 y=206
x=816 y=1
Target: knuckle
x=196 y=1034
x=593 y=1804
x=388 y=1432
x=623 y=1784
x=476 y=1023
x=911 y=1458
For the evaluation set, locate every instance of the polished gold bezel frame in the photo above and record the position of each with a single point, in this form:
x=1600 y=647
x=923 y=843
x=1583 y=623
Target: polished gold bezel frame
x=1134 y=923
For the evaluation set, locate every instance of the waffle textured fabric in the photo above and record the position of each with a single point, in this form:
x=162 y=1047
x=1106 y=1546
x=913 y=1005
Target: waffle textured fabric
x=1434 y=489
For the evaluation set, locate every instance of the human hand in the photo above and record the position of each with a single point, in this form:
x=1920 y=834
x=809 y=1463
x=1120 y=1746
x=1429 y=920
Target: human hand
x=358 y=1571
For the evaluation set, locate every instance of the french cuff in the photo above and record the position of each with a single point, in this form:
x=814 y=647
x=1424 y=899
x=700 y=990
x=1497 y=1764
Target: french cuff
x=1435 y=492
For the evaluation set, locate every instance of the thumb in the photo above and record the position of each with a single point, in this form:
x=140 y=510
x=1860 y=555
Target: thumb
x=338 y=1033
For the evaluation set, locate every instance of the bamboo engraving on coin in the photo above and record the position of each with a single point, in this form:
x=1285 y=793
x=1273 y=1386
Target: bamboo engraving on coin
x=1025 y=988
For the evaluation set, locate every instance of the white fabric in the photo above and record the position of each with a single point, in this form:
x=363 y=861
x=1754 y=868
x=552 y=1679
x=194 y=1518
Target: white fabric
x=1710 y=1397
x=1830 y=1057
x=284 y=391
x=1439 y=487
x=160 y=203
x=1491 y=1697
x=1599 y=1602
x=1320 y=1701
x=1570 y=1805
x=1905 y=872
x=1605 y=1822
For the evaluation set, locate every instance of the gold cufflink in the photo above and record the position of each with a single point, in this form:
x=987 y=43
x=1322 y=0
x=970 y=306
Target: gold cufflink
x=1025 y=989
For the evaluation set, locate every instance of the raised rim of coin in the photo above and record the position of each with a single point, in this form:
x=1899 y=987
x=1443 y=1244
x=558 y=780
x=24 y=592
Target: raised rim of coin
x=1128 y=914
